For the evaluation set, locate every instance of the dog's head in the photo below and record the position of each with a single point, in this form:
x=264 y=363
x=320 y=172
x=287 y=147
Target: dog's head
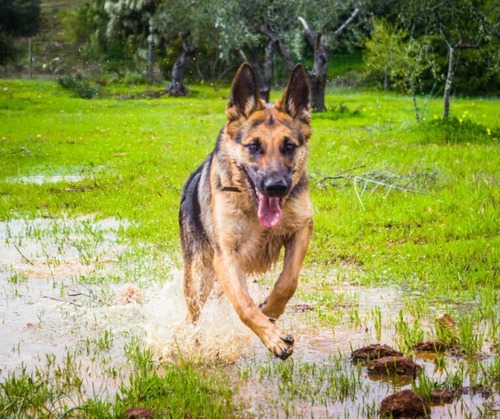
x=268 y=144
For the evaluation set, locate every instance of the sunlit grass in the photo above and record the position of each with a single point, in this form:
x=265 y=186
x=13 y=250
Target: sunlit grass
x=396 y=204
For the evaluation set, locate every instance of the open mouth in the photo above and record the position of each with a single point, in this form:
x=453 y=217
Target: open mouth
x=269 y=210
x=268 y=207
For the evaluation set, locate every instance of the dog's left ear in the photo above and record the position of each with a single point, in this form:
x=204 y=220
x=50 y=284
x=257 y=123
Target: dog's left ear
x=297 y=97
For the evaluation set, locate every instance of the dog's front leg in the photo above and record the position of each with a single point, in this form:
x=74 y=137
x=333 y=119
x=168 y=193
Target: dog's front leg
x=285 y=286
x=234 y=285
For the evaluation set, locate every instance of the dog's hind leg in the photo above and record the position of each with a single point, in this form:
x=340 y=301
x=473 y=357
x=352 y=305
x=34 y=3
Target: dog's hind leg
x=285 y=286
x=198 y=284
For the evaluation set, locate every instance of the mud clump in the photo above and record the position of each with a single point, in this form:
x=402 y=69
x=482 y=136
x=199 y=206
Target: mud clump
x=393 y=365
x=372 y=352
x=434 y=346
x=139 y=413
x=406 y=403
x=302 y=308
x=441 y=396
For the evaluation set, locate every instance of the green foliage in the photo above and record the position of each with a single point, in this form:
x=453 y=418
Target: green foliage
x=396 y=59
x=78 y=86
x=7 y=49
x=85 y=27
x=468 y=26
x=20 y=17
x=461 y=130
x=339 y=111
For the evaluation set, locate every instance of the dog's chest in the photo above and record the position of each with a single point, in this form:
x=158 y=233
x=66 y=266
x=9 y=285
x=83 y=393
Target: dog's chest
x=258 y=250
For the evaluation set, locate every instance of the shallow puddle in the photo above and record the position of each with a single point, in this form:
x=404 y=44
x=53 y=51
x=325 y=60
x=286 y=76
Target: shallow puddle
x=72 y=174
x=70 y=290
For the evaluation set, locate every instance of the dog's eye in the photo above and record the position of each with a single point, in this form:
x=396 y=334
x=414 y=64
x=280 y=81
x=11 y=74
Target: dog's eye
x=289 y=146
x=254 y=147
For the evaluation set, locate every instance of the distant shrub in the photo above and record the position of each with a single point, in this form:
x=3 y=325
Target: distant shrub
x=339 y=111
x=133 y=79
x=458 y=130
x=78 y=86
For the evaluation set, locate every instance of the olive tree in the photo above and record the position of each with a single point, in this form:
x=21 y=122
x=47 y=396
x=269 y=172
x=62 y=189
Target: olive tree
x=398 y=59
x=454 y=25
x=262 y=28
x=161 y=22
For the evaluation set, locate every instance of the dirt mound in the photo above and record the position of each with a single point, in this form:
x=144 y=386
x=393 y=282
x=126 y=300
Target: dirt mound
x=441 y=396
x=393 y=365
x=430 y=346
x=406 y=404
x=139 y=413
x=375 y=351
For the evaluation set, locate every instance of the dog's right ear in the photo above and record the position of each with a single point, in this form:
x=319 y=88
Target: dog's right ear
x=245 y=97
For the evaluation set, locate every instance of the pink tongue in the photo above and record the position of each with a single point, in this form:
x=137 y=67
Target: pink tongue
x=269 y=211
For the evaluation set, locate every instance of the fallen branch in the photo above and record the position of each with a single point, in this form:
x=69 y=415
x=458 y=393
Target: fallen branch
x=340 y=175
x=411 y=183
x=62 y=301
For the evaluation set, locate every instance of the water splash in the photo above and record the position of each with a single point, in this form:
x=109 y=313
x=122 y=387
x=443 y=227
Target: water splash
x=218 y=335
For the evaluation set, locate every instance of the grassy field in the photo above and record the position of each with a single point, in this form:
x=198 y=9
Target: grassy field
x=400 y=206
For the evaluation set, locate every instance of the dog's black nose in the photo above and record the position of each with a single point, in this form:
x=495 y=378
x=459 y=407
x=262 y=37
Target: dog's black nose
x=276 y=187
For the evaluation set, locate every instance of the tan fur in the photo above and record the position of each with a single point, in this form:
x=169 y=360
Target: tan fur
x=221 y=201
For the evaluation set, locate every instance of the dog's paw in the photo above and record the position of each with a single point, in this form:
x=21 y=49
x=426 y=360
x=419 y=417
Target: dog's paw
x=287 y=349
x=282 y=346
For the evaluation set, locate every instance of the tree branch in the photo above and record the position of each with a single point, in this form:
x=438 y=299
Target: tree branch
x=310 y=34
x=283 y=50
x=344 y=25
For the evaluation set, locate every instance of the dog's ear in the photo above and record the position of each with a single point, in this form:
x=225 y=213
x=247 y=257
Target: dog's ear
x=245 y=97
x=297 y=97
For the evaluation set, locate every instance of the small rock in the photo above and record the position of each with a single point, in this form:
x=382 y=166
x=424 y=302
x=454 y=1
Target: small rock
x=393 y=365
x=406 y=404
x=375 y=351
x=441 y=396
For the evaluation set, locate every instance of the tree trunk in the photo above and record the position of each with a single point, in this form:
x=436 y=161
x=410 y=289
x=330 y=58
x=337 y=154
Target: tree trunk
x=318 y=75
x=177 y=87
x=150 y=62
x=268 y=71
x=263 y=80
x=414 y=98
x=448 y=82
x=30 y=58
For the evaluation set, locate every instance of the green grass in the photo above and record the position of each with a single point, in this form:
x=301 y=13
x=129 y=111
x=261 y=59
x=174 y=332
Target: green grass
x=397 y=203
x=165 y=390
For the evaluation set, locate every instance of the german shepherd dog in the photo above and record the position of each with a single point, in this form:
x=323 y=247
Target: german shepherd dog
x=247 y=201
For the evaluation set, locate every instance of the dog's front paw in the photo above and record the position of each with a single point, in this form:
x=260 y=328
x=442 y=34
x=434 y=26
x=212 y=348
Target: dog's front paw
x=287 y=348
x=281 y=345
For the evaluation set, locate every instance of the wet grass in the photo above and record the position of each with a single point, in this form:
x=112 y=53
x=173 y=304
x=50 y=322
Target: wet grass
x=408 y=209
x=162 y=390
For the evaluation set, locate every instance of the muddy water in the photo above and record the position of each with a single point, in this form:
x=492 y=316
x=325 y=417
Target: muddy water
x=68 y=174
x=64 y=290
x=49 y=310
